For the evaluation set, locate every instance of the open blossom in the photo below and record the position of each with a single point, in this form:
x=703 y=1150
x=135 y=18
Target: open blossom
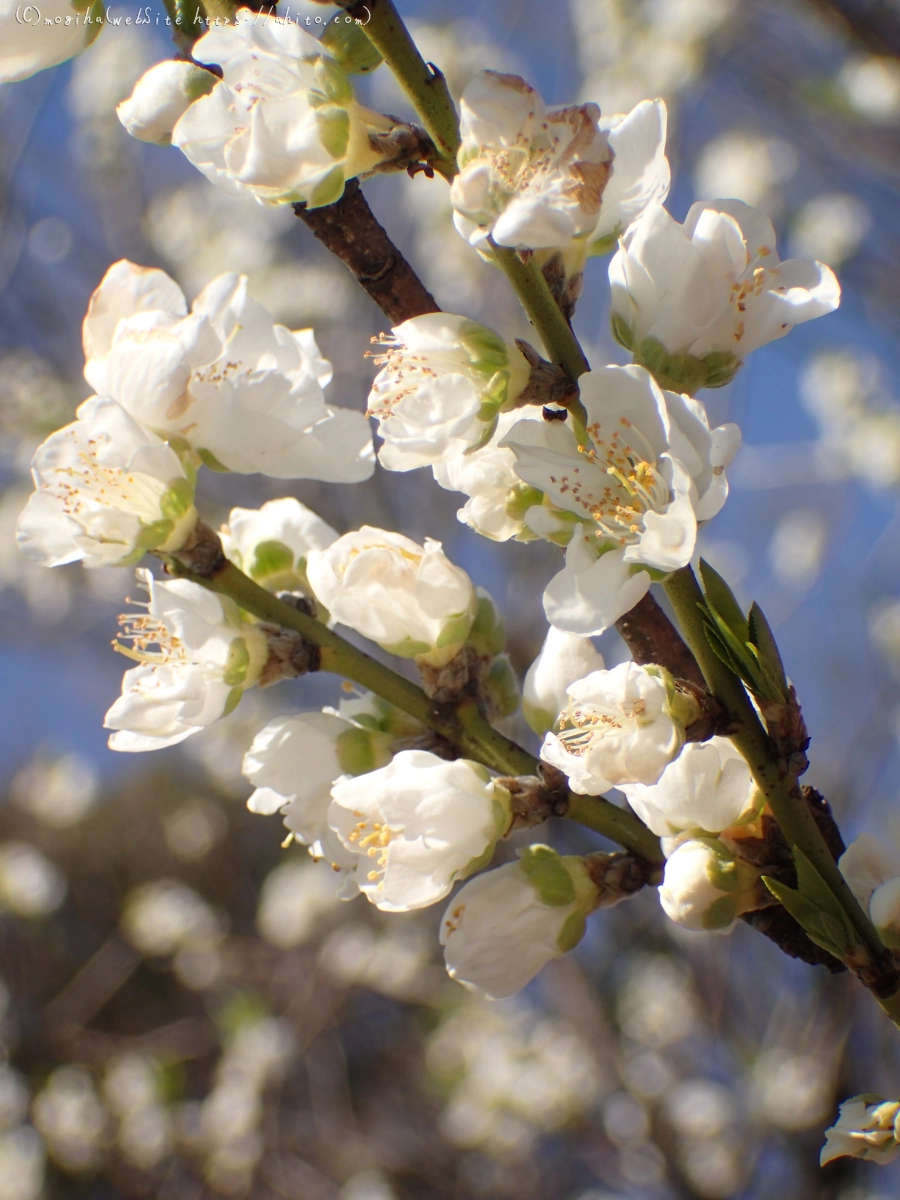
x=713 y=286
x=564 y=658
x=224 y=379
x=418 y=825
x=283 y=123
x=640 y=170
x=294 y=760
x=633 y=496
x=161 y=97
x=530 y=176
x=708 y=787
x=196 y=655
x=408 y=598
x=705 y=887
x=620 y=726
x=872 y=869
x=867 y=1127
x=443 y=381
x=60 y=32
x=505 y=925
x=270 y=544
x=498 y=499
x=106 y=492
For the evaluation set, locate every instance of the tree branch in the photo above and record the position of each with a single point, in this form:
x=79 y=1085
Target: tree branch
x=350 y=230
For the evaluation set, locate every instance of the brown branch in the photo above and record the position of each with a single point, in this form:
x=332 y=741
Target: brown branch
x=652 y=638
x=874 y=24
x=350 y=230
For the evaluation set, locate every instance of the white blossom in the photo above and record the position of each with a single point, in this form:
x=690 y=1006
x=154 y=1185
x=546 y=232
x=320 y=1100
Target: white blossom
x=293 y=762
x=867 y=1127
x=224 y=379
x=713 y=286
x=498 y=499
x=408 y=598
x=443 y=382
x=270 y=544
x=283 y=123
x=631 y=498
x=106 y=492
x=872 y=869
x=530 y=176
x=161 y=97
x=640 y=170
x=505 y=925
x=196 y=656
x=417 y=825
x=708 y=787
x=620 y=726
x=705 y=887
x=58 y=32
x=564 y=658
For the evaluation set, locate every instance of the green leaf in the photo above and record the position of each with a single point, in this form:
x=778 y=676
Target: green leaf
x=814 y=888
x=763 y=640
x=808 y=916
x=718 y=647
x=721 y=600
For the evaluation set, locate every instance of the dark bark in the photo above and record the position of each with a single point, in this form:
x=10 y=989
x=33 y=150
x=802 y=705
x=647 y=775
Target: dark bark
x=350 y=230
x=652 y=638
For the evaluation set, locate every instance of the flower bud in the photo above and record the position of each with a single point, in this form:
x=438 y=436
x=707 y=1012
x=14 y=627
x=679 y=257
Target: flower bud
x=410 y=599
x=564 y=658
x=708 y=787
x=418 y=825
x=867 y=1127
x=705 y=887
x=161 y=97
x=59 y=32
x=443 y=381
x=270 y=544
x=620 y=726
x=505 y=925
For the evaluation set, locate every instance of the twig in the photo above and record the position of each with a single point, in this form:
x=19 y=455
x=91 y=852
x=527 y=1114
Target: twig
x=350 y=230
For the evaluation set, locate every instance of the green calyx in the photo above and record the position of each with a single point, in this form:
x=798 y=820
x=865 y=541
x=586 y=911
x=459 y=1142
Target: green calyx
x=362 y=750
x=547 y=875
x=501 y=689
x=677 y=372
x=349 y=46
x=271 y=557
x=487 y=633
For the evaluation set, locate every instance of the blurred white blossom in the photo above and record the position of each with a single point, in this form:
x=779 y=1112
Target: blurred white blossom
x=30 y=885
x=71 y=1118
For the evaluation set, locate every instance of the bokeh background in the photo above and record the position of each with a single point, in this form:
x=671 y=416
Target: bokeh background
x=185 y=1010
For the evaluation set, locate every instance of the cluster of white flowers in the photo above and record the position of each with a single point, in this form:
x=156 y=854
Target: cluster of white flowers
x=621 y=479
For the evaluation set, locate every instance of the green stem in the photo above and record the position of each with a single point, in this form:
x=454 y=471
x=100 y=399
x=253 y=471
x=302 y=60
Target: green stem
x=463 y=725
x=426 y=90
x=780 y=789
x=219 y=10
x=544 y=313
x=615 y=823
